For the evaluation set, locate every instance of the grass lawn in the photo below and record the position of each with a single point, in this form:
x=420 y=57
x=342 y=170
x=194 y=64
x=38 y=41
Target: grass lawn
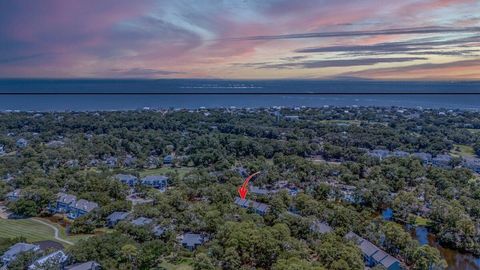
x=164 y=170
x=462 y=150
x=34 y=231
x=186 y=265
x=421 y=221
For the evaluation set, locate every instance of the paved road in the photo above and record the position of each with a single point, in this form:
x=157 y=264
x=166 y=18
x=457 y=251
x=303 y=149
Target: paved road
x=55 y=229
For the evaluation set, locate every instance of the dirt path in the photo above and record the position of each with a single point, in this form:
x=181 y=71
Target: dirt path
x=55 y=229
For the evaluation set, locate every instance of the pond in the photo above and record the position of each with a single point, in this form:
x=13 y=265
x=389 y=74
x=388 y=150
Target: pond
x=454 y=258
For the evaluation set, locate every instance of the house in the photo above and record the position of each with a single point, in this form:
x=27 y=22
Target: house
x=16 y=250
x=379 y=153
x=158 y=230
x=68 y=204
x=168 y=160
x=259 y=208
x=141 y=221
x=426 y=158
x=127 y=179
x=116 y=217
x=292 y=117
x=53 y=260
x=21 y=143
x=401 y=154
x=2 y=150
x=129 y=161
x=442 y=161
x=472 y=164
x=81 y=207
x=111 y=162
x=13 y=195
x=156 y=181
x=242 y=171
x=259 y=191
x=320 y=227
x=373 y=255
x=191 y=241
x=90 y=265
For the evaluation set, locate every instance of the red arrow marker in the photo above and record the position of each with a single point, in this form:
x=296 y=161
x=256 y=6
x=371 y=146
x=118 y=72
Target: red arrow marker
x=243 y=189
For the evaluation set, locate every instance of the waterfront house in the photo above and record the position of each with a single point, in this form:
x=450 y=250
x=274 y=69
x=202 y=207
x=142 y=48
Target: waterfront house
x=191 y=241
x=55 y=260
x=16 y=250
x=259 y=208
x=90 y=265
x=116 y=217
x=373 y=255
x=21 y=143
x=156 y=181
x=127 y=179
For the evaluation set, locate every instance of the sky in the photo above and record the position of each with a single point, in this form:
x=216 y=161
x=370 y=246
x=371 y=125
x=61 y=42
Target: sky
x=241 y=39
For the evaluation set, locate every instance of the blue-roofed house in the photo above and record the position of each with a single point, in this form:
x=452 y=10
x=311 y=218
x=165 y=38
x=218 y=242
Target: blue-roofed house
x=442 y=161
x=472 y=164
x=116 y=217
x=21 y=143
x=55 y=260
x=81 y=207
x=13 y=195
x=16 y=250
x=158 y=230
x=320 y=227
x=379 y=153
x=191 y=241
x=127 y=179
x=68 y=204
x=426 y=158
x=259 y=208
x=156 y=181
x=373 y=255
x=141 y=221
x=168 y=160
x=90 y=265
x=401 y=154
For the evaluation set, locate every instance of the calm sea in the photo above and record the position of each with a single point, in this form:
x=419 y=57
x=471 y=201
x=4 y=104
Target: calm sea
x=88 y=95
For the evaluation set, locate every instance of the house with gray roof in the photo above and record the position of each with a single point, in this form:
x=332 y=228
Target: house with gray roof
x=426 y=158
x=16 y=250
x=116 y=217
x=68 y=204
x=373 y=255
x=141 y=221
x=442 y=161
x=90 y=265
x=55 y=260
x=13 y=195
x=259 y=208
x=472 y=164
x=127 y=179
x=156 y=181
x=21 y=143
x=320 y=227
x=158 y=230
x=191 y=241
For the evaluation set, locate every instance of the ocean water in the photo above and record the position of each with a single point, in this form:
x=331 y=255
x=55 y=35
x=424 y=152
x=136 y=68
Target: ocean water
x=89 y=95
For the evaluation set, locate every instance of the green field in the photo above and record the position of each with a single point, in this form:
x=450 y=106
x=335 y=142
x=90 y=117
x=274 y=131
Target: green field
x=182 y=266
x=33 y=231
x=462 y=150
x=182 y=171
